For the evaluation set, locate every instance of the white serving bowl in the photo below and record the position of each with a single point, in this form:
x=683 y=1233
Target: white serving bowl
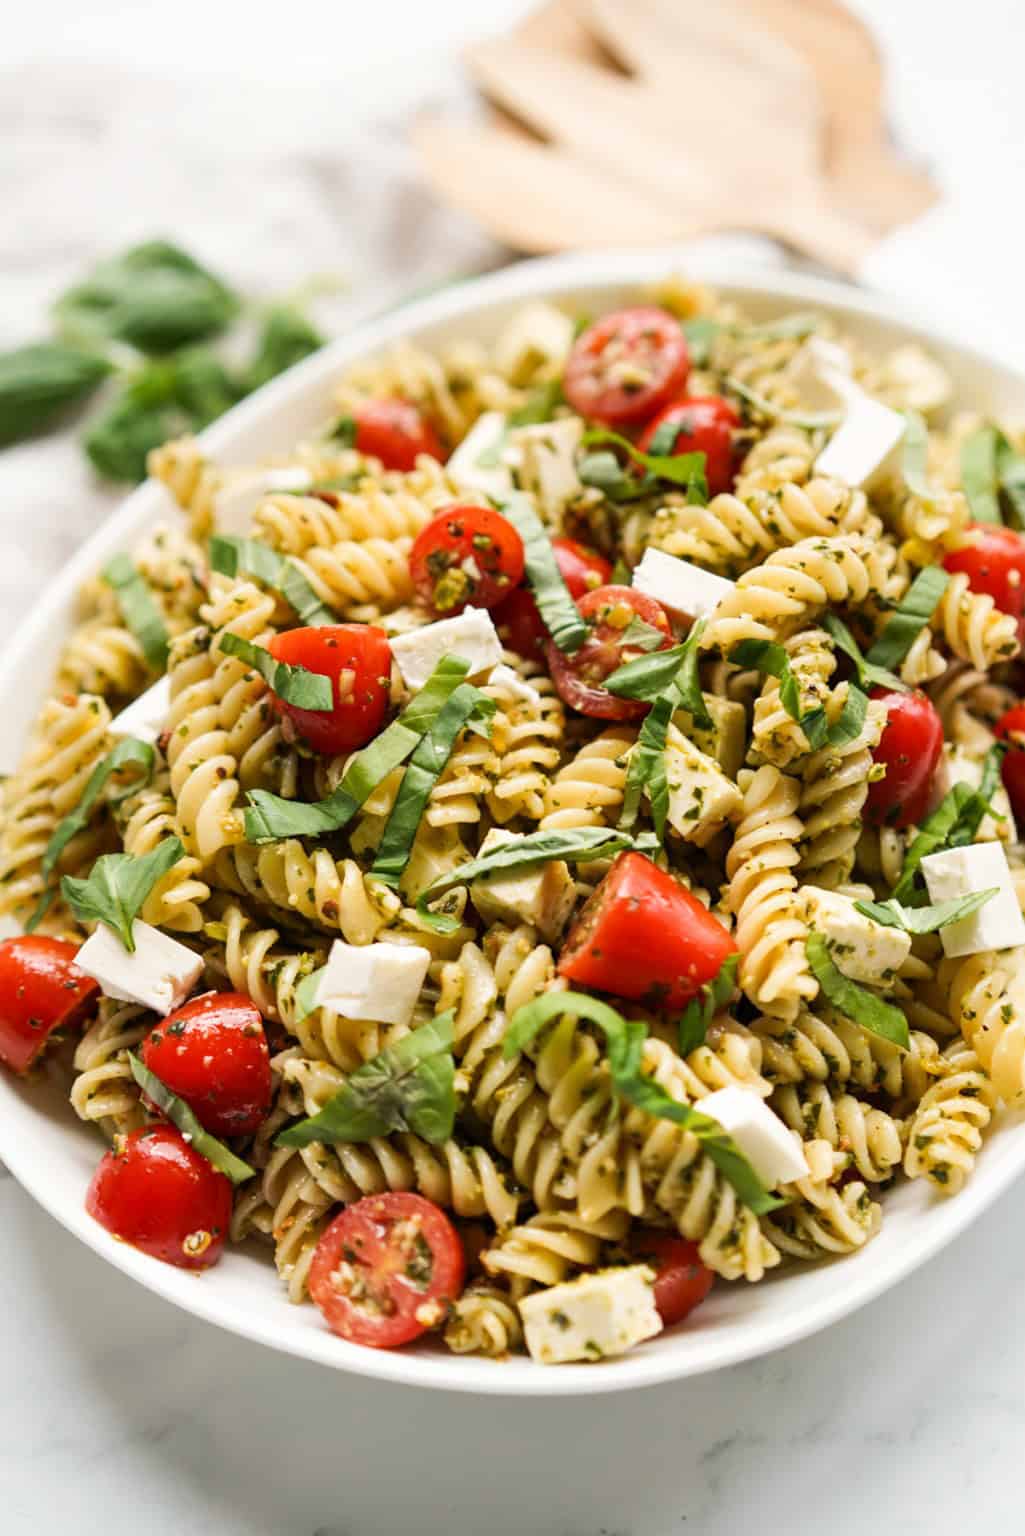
x=54 y=1156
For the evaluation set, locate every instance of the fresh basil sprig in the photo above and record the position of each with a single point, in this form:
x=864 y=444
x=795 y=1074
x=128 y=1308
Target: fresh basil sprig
x=138 y=609
x=409 y=1086
x=926 y=919
x=916 y=456
x=155 y=296
x=856 y=1003
x=231 y=554
x=953 y=824
x=770 y=657
x=683 y=469
x=40 y=381
x=178 y=1112
x=559 y=613
x=701 y=1010
x=624 y=1040
x=295 y=685
x=286 y=337
x=117 y=886
x=909 y=618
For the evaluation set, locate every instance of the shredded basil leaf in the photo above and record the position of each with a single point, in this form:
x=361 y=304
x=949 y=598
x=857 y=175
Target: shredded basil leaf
x=138 y=609
x=979 y=478
x=1011 y=475
x=684 y=469
x=701 y=332
x=117 y=886
x=934 y=834
x=646 y=676
x=295 y=685
x=909 y=618
x=539 y=406
x=869 y=674
x=810 y=422
x=178 y=1112
x=559 y=613
x=231 y=554
x=646 y=769
x=639 y=636
x=927 y=919
x=343 y=431
x=916 y=456
x=856 y=1003
x=770 y=657
x=701 y=1010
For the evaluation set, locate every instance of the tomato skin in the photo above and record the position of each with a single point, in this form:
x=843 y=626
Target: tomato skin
x=994 y=563
x=704 y=424
x=373 y=1240
x=516 y=618
x=213 y=1053
x=395 y=432
x=682 y=1281
x=466 y=555
x=1011 y=727
x=41 y=990
x=153 y=1191
x=910 y=747
x=643 y=936
x=627 y=365
x=331 y=650
x=578 y=678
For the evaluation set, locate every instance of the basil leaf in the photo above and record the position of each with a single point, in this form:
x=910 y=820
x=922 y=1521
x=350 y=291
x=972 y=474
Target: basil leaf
x=603 y=472
x=927 y=919
x=178 y=1112
x=909 y=618
x=145 y=414
x=409 y=1086
x=854 y=1002
x=701 y=1010
x=138 y=609
x=640 y=636
x=155 y=296
x=269 y=817
x=625 y=1041
x=295 y=685
x=979 y=478
x=231 y=554
x=770 y=657
x=203 y=387
x=43 y=906
x=127 y=753
x=686 y=469
x=647 y=676
x=916 y=456
x=559 y=613
x=980 y=805
x=40 y=381
x=286 y=338
x=932 y=835
x=701 y=332
x=539 y=406
x=343 y=431
x=646 y=769
x=118 y=884
x=810 y=422
x=869 y=674
x=1011 y=474
x=426 y=766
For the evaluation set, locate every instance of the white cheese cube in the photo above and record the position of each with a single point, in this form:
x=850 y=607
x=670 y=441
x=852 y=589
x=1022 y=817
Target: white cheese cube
x=860 y=947
x=242 y=493
x=679 y=586
x=866 y=446
x=592 y=1317
x=378 y=981
x=537 y=334
x=541 y=894
x=727 y=739
x=470 y=635
x=160 y=973
x=477 y=464
x=146 y=716
x=774 y=1152
x=505 y=678
x=998 y=924
x=958 y=767
x=820 y=372
x=548 y=463
x=701 y=798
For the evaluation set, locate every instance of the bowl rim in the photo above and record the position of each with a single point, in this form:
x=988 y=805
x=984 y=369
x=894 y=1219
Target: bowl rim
x=859 y=1279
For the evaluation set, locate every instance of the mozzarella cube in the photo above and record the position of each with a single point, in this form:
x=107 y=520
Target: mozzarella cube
x=470 y=635
x=378 y=981
x=701 y=798
x=679 y=586
x=866 y=446
x=548 y=463
x=727 y=739
x=820 y=372
x=860 y=947
x=958 y=767
x=592 y=1317
x=774 y=1152
x=477 y=464
x=511 y=682
x=159 y=973
x=146 y=716
x=542 y=894
x=242 y=493
x=538 y=334
x=998 y=923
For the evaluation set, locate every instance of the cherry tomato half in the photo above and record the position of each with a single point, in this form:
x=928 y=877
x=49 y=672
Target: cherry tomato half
x=910 y=749
x=41 y=990
x=154 y=1191
x=1011 y=727
x=466 y=555
x=627 y=365
x=213 y=1054
x=704 y=424
x=682 y=1281
x=516 y=618
x=387 y=1269
x=995 y=563
x=395 y=432
x=642 y=935
x=357 y=659
x=610 y=611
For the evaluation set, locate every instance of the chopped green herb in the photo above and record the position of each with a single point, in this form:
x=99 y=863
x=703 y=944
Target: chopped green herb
x=117 y=886
x=856 y=1003
x=701 y=1010
x=178 y=1112
x=231 y=554
x=926 y=919
x=558 y=611
x=138 y=609
x=295 y=685
x=909 y=618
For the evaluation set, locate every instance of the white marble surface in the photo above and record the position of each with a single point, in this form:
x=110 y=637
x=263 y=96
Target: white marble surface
x=118 y=119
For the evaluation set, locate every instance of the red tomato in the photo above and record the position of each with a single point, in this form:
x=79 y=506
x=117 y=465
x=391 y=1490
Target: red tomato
x=1011 y=727
x=213 y=1054
x=387 y=1269
x=626 y=365
x=466 y=555
x=995 y=563
x=910 y=749
x=394 y=432
x=642 y=935
x=155 y=1192
x=516 y=618
x=357 y=659
x=682 y=1281
x=579 y=677
x=41 y=990
x=704 y=424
